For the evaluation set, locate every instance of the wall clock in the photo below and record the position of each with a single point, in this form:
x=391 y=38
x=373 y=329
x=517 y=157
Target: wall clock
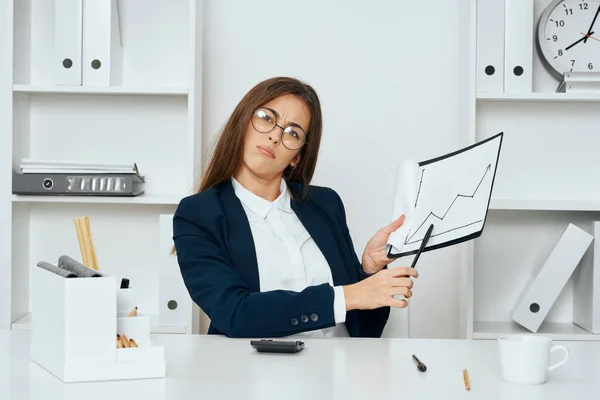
x=568 y=36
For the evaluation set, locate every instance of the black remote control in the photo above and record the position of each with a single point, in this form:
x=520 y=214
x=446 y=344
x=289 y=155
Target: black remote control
x=277 y=346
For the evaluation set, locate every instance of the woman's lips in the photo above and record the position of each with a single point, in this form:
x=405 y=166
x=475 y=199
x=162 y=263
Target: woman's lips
x=266 y=151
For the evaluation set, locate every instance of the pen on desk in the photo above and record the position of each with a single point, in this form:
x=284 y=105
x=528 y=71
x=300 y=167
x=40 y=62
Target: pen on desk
x=466 y=379
x=423 y=244
x=420 y=366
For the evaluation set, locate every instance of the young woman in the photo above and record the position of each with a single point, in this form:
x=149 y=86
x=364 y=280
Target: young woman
x=266 y=254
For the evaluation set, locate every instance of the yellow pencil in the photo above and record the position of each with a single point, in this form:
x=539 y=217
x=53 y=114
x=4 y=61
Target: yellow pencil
x=125 y=341
x=86 y=242
x=466 y=379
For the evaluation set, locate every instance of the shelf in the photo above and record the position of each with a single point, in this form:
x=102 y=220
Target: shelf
x=110 y=90
x=546 y=97
x=542 y=205
x=144 y=199
x=554 y=330
x=24 y=324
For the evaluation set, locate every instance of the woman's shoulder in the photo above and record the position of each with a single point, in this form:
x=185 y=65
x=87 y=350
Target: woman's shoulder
x=324 y=196
x=207 y=200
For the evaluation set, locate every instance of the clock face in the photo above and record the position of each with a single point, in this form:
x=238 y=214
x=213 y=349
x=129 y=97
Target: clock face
x=569 y=36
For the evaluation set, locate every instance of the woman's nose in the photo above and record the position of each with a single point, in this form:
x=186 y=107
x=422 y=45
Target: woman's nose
x=274 y=139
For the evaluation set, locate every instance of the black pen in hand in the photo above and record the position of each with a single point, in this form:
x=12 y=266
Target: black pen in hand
x=423 y=244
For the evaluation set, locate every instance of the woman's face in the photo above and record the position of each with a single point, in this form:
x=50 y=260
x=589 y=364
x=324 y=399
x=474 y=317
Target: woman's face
x=267 y=153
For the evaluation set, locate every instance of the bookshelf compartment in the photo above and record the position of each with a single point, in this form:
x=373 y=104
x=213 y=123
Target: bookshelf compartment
x=515 y=246
x=155 y=40
x=126 y=239
x=544 y=154
x=149 y=131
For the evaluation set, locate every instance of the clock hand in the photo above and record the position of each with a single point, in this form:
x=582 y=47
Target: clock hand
x=583 y=39
x=592 y=25
x=592 y=37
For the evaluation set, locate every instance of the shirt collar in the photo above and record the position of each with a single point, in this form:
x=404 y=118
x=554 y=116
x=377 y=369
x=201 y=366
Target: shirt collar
x=259 y=205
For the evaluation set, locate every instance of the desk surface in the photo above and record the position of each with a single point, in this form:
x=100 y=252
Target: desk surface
x=208 y=367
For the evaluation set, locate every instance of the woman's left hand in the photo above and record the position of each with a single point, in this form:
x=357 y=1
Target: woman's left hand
x=375 y=256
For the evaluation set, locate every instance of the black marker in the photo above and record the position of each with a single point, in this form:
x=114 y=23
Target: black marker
x=423 y=244
x=420 y=366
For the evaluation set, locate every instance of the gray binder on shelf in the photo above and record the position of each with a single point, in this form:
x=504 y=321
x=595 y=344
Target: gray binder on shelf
x=88 y=184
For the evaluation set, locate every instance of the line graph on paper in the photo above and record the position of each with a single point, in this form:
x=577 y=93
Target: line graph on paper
x=433 y=218
x=451 y=192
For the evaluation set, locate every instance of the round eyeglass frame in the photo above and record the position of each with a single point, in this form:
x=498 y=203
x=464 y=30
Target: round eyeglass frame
x=276 y=125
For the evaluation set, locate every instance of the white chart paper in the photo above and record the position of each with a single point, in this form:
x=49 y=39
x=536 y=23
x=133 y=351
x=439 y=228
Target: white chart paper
x=452 y=192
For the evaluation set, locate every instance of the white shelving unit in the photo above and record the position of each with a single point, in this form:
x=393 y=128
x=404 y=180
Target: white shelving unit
x=545 y=180
x=152 y=117
x=145 y=199
x=540 y=96
x=111 y=90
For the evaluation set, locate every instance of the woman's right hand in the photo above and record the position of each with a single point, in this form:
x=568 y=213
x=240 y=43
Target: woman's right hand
x=379 y=289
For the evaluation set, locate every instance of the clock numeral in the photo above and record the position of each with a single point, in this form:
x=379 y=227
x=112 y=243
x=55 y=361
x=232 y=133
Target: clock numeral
x=560 y=52
x=554 y=38
x=590 y=66
x=560 y=23
x=572 y=63
x=583 y=6
x=569 y=11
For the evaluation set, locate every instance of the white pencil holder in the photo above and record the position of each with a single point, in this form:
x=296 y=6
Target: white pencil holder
x=136 y=328
x=74 y=331
x=127 y=300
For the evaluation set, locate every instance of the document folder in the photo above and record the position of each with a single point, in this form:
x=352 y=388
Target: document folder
x=67 y=42
x=542 y=290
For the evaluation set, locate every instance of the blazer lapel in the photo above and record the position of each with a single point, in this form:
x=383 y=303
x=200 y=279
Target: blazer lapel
x=241 y=243
x=319 y=228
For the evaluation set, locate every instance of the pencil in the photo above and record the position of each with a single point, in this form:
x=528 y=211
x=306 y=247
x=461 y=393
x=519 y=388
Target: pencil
x=132 y=313
x=132 y=343
x=466 y=379
x=125 y=341
x=86 y=242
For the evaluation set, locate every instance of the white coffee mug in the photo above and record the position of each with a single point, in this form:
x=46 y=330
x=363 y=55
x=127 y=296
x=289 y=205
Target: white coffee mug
x=524 y=359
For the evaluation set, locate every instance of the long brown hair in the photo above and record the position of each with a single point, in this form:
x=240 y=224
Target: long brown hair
x=228 y=152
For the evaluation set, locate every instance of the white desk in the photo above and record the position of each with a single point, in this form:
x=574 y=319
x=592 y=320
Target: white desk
x=207 y=367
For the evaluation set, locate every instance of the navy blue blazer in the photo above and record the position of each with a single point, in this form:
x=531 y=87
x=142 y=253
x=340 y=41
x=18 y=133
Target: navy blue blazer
x=217 y=258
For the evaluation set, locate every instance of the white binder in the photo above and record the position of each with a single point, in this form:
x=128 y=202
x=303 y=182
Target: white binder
x=542 y=290
x=67 y=42
x=490 y=45
x=518 y=46
x=586 y=287
x=102 y=50
x=175 y=304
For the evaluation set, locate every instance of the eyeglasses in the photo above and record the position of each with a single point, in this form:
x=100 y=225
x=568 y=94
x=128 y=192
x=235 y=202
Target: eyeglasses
x=292 y=137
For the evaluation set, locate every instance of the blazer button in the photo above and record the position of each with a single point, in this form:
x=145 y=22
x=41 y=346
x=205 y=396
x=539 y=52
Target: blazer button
x=294 y=321
x=314 y=317
x=304 y=318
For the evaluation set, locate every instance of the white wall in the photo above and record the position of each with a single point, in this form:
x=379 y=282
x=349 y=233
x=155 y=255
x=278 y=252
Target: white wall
x=5 y=156
x=393 y=83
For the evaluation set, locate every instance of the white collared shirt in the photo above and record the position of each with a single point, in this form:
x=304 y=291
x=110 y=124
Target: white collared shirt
x=288 y=258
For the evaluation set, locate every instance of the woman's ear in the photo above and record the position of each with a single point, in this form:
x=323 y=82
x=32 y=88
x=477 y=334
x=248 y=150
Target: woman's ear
x=295 y=161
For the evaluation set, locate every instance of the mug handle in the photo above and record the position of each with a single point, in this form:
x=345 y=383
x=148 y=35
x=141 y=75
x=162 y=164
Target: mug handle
x=561 y=362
